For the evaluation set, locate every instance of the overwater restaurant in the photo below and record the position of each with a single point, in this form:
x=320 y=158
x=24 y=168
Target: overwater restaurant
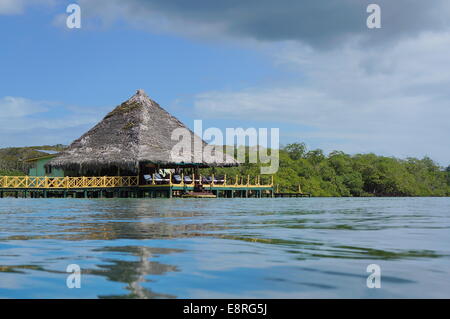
x=128 y=154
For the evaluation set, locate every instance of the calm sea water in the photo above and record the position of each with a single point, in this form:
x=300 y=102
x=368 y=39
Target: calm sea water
x=220 y=248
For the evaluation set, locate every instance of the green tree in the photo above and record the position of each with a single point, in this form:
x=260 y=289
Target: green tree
x=296 y=150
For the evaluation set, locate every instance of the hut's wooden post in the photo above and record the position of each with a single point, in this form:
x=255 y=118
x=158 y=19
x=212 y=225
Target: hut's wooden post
x=153 y=178
x=212 y=181
x=225 y=179
x=139 y=174
x=182 y=179
x=248 y=180
x=271 y=183
x=236 y=182
x=170 y=185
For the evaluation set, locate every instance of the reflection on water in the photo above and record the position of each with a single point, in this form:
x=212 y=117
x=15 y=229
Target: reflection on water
x=292 y=248
x=134 y=273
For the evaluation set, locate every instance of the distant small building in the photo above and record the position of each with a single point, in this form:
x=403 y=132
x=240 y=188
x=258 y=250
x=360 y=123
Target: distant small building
x=37 y=167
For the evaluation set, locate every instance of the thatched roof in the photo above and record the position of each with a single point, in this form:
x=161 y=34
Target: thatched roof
x=137 y=131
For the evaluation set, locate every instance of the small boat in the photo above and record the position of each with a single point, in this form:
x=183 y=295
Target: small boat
x=198 y=195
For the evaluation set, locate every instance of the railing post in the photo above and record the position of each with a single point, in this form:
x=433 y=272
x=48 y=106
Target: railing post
x=248 y=180
x=212 y=180
x=271 y=184
x=46 y=182
x=182 y=179
x=225 y=179
x=153 y=179
x=237 y=180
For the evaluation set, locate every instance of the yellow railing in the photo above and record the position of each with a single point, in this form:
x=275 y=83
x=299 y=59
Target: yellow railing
x=67 y=182
x=128 y=181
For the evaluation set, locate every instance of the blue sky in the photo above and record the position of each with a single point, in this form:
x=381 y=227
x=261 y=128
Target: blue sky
x=327 y=81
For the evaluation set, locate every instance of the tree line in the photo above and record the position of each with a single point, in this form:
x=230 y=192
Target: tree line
x=341 y=174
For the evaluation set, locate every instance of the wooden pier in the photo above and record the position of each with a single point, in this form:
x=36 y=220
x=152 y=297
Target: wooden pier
x=128 y=187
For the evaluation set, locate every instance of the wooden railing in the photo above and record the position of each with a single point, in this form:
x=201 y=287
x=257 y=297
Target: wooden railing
x=128 y=181
x=233 y=181
x=68 y=182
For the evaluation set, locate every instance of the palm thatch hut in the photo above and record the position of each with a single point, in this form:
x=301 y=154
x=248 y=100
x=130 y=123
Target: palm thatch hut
x=133 y=138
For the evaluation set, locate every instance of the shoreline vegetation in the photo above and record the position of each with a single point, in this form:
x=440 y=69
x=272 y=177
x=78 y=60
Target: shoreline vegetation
x=342 y=175
x=334 y=175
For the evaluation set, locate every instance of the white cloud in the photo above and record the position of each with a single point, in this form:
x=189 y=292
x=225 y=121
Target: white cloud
x=13 y=107
x=12 y=7
x=24 y=121
x=392 y=100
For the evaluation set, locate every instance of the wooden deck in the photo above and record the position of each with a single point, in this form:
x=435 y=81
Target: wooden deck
x=128 y=187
